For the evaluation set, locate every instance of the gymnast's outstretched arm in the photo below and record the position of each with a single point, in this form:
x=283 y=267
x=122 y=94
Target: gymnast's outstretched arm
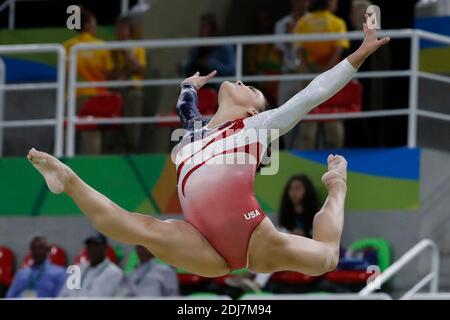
x=318 y=91
x=275 y=251
x=285 y=117
x=187 y=105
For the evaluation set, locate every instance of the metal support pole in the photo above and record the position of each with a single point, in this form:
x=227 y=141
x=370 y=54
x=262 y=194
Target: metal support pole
x=71 y=94
x=12 y=15
x=239 y=60
x=59 y=112
x=413 y=91
x=124 y=7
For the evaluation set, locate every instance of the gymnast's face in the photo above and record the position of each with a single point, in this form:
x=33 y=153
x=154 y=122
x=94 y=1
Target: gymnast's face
x=242 y=96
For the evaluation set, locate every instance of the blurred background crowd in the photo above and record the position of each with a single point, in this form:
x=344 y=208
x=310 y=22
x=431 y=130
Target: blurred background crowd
x=255 y=18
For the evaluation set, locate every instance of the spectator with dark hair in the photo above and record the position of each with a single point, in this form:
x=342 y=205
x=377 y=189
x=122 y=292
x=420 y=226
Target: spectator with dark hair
x=299 y=204
x=150 y=278
x=92 y=65
x=286 y=25
x=290 y=59
x=129 y=64
x=40 y=280
x=99 y=276
x=264 y=59
x=317 y=57
x=207 y=59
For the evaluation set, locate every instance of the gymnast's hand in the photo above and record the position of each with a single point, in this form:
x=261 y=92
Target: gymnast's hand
x=371 y=42
x=198 y=81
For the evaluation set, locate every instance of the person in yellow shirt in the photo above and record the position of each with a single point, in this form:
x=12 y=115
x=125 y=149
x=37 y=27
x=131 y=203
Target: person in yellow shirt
x=317 y=57
x=92 y=65
x=130 y=65
x=322 y=55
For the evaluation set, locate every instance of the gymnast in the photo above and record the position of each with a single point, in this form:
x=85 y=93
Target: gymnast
x=225 y=228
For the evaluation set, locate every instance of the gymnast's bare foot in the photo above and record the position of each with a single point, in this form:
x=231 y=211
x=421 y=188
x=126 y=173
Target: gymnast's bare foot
x=56 y=173
x=336 y=176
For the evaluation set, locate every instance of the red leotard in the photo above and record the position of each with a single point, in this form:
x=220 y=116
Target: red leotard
x=216 y=189
x=216 y=166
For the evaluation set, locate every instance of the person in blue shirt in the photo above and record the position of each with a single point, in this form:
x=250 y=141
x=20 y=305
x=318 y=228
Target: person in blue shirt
x=210 y=58
x=42 y=279
x=150 y=278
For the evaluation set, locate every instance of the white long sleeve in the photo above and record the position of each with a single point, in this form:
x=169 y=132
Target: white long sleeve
x=323 y=87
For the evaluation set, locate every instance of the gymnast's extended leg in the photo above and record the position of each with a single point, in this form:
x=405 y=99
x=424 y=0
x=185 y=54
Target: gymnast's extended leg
x=174 y=241
x=271 y=250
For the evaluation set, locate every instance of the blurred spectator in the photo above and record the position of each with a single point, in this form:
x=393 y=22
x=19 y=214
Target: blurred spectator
x=129 y=64
x=374 y=93
x=298 y=206
x=151 y=279
x=210 y=58
x=42 y=279
x=95 y=65
x=317 y=57
x=291 y=61
x=322 y=55
x=264 y=59
x=99 y=276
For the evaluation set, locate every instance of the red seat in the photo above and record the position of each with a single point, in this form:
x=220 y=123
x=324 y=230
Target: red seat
x=107 y=105
x=348 y=99
x=6 y=266
x=348 y=276
x=188 y=279
x=56 y=256
x=207 y=101
x=110 y=253
x=221 y=280
x=291 y=277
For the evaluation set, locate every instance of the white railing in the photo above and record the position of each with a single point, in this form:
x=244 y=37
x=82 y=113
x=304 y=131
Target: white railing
x=432 y=277
x=58 y=121
x=413 y=73
x=412 y=111
x=430 y=296
x=327 y=296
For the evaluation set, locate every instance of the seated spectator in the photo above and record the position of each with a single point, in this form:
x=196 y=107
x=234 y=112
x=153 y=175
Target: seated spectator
x=290 y=59
x=318 y=56
x=151 y=279
x=210 y=58
x=40 y=280
x=129 y=64
x=298 y=206
x=95 y=65
x=99 y=276
x=264 y=59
